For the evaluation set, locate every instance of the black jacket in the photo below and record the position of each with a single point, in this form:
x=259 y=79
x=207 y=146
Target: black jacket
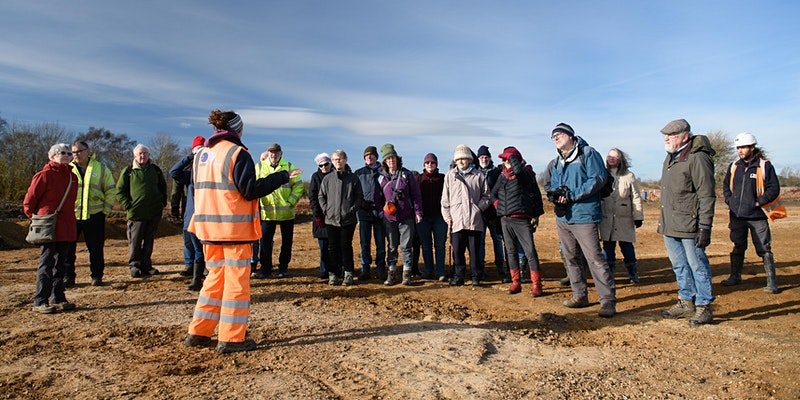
x=742 y=199
x=517 y=193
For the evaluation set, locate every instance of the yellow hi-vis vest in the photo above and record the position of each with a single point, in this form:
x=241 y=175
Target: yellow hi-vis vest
x=96 y=189
x=774 y=209
x=280 y=204
x=221 y=213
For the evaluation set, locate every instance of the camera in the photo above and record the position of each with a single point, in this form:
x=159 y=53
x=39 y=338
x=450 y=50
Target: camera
x=553 y=195
x=561 y=191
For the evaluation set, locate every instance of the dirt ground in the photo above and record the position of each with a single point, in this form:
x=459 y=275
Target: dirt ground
x=427 y=341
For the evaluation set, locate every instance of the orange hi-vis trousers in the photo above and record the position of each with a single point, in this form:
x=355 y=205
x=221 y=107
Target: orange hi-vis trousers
x=225 y=296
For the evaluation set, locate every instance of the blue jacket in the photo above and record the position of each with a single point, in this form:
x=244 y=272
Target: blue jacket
x=742 y=199
x=584 y=173
x=181 y=172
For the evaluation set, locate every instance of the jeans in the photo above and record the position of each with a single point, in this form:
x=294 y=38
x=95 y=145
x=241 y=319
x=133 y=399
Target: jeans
x=432 y=232
x=367 y=228
x=496 y=232
x=627 y=249
x=323 y=255
x=192 y=249
x=692 y=270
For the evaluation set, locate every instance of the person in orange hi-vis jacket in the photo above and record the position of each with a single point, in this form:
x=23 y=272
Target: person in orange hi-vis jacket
x=226 y=221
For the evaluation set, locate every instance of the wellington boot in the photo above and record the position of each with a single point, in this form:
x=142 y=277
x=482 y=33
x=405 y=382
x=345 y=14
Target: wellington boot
x=633 y=276
x=197 y=276
x=769 y=268
x=737 y=261
x=515 y=287
x=536 y=283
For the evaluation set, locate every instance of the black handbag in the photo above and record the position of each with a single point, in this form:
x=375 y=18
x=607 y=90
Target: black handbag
x=43 y=227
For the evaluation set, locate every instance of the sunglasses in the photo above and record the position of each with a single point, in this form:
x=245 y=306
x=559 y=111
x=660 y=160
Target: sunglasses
x=66 y=153
x=323 y=165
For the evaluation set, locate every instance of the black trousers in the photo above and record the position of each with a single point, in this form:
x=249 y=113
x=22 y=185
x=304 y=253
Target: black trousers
x=50 y=274
x=340 y=248
x=94 y=233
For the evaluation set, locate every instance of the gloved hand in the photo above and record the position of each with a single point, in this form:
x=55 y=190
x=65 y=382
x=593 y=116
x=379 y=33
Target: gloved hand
x=702 y=238
x=319 y=222
x=638 y=223
x=535 y=223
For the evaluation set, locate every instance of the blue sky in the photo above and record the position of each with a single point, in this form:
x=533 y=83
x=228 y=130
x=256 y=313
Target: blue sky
x=424 y=75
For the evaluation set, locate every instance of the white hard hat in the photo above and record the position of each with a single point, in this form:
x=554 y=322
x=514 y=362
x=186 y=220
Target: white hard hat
x=744 y=139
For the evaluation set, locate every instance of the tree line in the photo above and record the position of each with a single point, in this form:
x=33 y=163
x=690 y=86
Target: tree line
x=24 y=152
x=25 y=146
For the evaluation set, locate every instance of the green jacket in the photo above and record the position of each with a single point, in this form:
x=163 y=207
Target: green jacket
x=142 y=191
x=279 y=205
x=687 y=190
x=96 y=189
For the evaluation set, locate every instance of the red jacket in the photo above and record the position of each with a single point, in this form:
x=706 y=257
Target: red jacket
x=45 y=193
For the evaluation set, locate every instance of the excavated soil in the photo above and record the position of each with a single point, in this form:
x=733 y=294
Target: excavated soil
x=426 y=341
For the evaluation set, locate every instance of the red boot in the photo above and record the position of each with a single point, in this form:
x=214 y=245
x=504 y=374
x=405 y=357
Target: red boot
x=536 y=280
x=515 y=286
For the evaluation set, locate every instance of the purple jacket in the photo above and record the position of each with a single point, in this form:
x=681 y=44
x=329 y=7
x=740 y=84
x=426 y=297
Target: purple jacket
x=401 y=188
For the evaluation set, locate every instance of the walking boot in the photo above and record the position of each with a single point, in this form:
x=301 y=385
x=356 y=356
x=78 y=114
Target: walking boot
x=681 y=309
x=233 y=347
x=769 y=267
x=536 y=283
x=407 y=278
x=632 y=275
x=458 y=276
x=515 y=282
x=702 y=316
x=197 y=276
x=390 y=278
x=737 y=261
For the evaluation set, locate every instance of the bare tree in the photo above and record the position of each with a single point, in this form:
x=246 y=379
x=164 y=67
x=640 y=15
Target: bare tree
x=114 y=150
x=24 y=152
x=166 y=152
x=722 y=144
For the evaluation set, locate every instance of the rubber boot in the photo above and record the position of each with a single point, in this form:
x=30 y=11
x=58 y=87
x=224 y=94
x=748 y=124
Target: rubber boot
x=523 y=266
x=536 y=283
x=197 y=276
x=632 y=275
x=515 y=282
x=501 y=272
x=737 y=261
x=769 y=267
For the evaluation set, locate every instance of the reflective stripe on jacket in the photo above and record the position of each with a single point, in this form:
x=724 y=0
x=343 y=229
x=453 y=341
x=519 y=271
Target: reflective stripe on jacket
x=279 y=205
x=221 y=213
x=95 y=194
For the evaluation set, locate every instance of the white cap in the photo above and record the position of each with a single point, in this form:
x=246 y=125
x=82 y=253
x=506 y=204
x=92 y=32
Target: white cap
x=744 y=139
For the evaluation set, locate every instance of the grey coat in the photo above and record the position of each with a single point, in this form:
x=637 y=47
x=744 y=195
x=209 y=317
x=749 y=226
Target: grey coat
x=340 y=196
x=687 y=190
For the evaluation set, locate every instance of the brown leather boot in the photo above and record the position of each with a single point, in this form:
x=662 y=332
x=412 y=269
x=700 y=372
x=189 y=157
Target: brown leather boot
x=536 y=280
x=515 y=285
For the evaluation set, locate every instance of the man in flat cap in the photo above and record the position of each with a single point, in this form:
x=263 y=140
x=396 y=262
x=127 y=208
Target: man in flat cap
x=687 y=212
x=277 y=210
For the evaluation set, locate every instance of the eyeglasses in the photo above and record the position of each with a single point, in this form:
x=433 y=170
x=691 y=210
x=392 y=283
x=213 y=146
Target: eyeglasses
x=325 y=165
x=557 y=135
x=66 y=153
x=79 y=151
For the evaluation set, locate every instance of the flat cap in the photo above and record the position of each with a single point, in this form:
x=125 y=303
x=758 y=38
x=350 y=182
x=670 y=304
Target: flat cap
x=274 y=147
x=676 y=126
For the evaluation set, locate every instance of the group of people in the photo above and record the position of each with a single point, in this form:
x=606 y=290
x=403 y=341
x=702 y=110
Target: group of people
x=235 y=205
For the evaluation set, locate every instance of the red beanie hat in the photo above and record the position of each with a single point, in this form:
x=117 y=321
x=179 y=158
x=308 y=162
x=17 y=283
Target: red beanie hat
x=198 y=141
